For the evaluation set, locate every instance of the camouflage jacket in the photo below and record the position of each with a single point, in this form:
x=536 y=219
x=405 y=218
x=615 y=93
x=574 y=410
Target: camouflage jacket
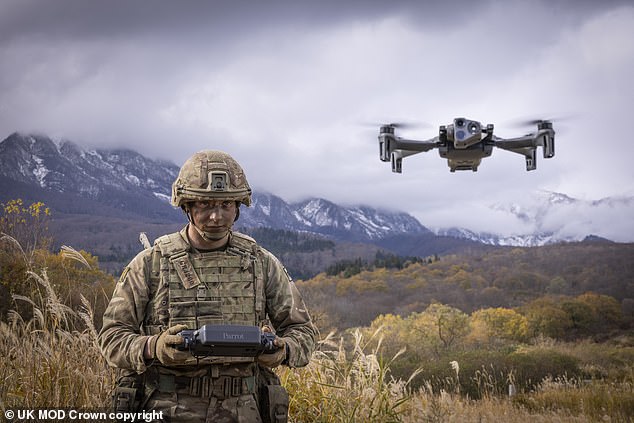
x=122 y=337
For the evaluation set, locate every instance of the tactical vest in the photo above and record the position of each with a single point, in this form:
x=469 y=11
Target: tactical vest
x=196 y=289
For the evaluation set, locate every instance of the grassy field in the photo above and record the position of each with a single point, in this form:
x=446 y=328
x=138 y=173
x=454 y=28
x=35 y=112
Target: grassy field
x=52 y=360
x=350 y=385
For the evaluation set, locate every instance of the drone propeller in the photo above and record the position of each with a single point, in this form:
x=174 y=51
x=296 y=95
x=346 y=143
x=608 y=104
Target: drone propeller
x=402 y=125
x=520 y=123
x=528 y=122
x=538 y=121
x=399 y=125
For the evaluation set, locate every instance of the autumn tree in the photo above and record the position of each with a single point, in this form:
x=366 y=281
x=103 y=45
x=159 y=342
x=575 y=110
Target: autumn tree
x=546 y=317
x=392 y=331
x=500 y=323
x=439 y=327
x=23 y=230
x=24 y=254
x=28 y=225
x=606 y=310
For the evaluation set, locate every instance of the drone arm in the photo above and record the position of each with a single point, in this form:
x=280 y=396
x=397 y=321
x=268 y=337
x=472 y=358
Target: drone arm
x=512 y=144
x=525 y=146
x=405 y=153
x=402 y=148
x=397 y=156
x=416 y=146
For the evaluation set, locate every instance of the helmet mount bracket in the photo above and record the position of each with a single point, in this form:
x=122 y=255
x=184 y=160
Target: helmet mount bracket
x=218 y=181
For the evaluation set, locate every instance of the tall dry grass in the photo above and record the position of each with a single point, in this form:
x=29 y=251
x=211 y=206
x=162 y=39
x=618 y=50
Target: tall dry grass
x=347 y=385
x=350 y=384
x=52 y=360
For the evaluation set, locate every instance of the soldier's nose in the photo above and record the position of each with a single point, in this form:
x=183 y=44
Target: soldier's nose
x=214 y=215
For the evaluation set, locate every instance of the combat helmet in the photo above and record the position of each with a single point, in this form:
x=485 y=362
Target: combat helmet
x=211 y=175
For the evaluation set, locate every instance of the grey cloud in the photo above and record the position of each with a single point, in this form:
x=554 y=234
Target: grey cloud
x=286 y=86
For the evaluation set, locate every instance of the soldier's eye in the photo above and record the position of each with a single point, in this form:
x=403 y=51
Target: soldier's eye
x=202 y=204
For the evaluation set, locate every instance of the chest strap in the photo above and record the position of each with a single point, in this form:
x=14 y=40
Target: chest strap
x=221 y=387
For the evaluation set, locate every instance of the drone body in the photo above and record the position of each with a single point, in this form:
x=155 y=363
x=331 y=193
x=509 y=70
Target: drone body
x=464 y=144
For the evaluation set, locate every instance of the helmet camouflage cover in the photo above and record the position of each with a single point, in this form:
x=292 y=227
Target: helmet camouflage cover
x=211 y=175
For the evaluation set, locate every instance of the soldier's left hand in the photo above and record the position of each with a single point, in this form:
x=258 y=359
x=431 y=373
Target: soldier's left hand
x=277 y=357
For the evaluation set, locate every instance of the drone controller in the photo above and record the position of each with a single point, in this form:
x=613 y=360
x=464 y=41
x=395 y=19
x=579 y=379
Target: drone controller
x=227 y=340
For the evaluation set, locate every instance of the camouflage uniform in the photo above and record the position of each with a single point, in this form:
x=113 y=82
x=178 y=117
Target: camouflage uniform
x=174 y=283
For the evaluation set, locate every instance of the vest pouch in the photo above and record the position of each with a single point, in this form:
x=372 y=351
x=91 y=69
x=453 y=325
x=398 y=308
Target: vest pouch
x=275 y=404
x=128 y=395
x=195 y=313
x=272 y=397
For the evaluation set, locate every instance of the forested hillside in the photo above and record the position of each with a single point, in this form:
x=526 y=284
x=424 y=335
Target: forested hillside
x=504 y=277
x=438 y=338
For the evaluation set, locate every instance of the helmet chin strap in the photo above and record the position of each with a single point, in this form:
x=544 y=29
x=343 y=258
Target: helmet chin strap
x=210 y=236
x=207 y=236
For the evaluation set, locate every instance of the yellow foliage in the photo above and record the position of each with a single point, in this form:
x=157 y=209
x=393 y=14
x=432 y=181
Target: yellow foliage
x=361 y=283
x=546 y=318
x=500 y=323
x=417 y=284
x=461 y=278
x=27 y=224
x=414 y=271
x=603 y=305
x=16 y=207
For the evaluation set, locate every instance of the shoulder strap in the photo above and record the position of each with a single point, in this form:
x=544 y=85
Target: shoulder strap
x=248 y=247
x=171 y=244
x=173 y=247
x=242 y=242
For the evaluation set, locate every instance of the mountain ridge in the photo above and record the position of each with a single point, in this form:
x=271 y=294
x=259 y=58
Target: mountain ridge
x=350 y=223
x=545 y=219
x=123 y=183
x=77 y=180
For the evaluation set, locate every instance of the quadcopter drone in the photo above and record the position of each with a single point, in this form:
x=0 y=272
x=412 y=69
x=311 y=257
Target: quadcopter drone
x=464 y=144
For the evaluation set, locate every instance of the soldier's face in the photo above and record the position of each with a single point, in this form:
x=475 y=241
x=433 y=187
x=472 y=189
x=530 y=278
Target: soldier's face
x=213 y=217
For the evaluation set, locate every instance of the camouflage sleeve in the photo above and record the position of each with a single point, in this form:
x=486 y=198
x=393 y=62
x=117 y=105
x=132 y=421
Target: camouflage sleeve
x=288 y=313
x=120 y=337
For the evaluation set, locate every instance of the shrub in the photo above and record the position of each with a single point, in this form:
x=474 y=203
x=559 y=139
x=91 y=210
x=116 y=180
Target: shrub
x=530 y=367
x=597 y=401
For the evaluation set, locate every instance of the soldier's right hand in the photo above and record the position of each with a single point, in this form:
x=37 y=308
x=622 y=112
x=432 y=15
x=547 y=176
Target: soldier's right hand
x=165 y=349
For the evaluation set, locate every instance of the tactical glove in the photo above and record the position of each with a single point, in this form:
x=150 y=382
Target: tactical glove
x=165 y=347
x=276 y=357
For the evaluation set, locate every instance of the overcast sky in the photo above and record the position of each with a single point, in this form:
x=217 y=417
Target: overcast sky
x=296 y=90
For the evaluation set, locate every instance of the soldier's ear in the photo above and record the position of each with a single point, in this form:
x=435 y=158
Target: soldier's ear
x=237 y=211
x=186 y=209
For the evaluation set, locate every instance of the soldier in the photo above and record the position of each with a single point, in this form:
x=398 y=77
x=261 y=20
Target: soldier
x=205 y=274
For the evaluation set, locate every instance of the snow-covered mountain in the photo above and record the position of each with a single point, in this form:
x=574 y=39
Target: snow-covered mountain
x=70 y=178
x=546 y=217
x=85 y=180
x=63 y=166
x=355 y=223
x=126 y=184
x=527 y=240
